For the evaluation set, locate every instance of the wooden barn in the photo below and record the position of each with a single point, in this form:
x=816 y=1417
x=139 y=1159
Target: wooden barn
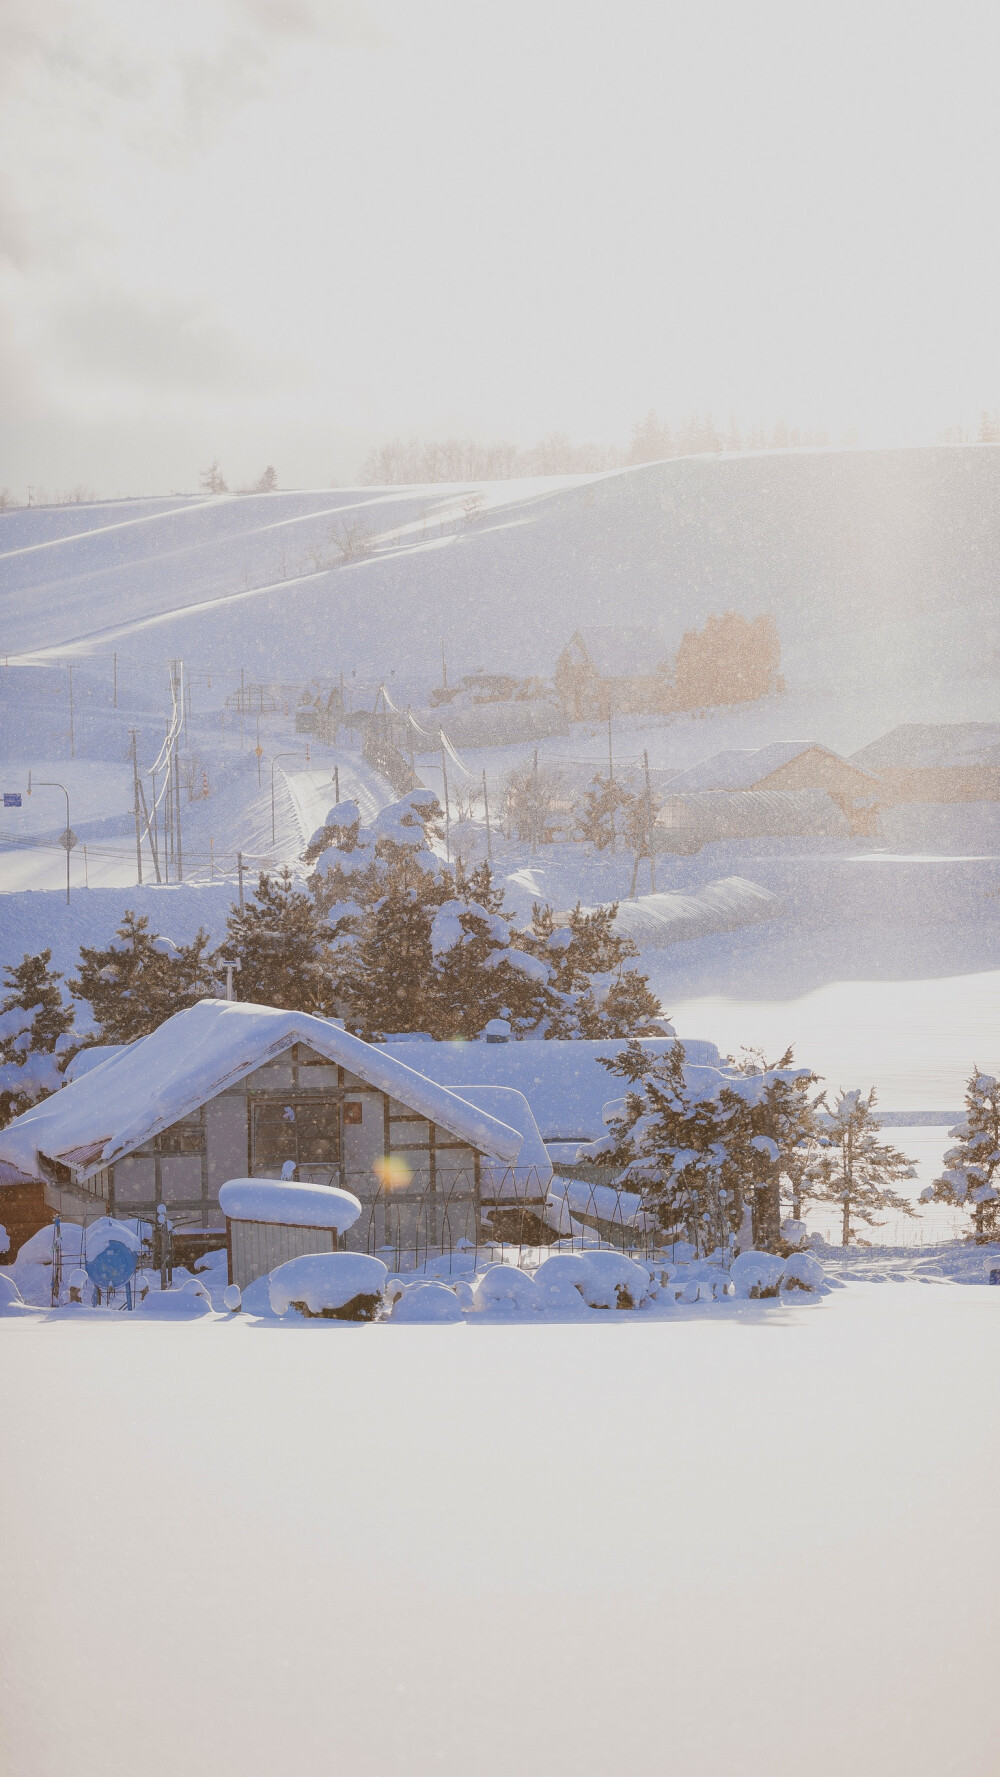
x=936 y=762
x=790 y=766
x=613 y=670
x=227 y=1090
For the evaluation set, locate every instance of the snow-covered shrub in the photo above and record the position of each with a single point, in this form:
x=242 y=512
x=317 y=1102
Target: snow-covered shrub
x=330 y=1286
x=757 y=1274
x=232 y=1298
x=795 y=1234
x=614 y=1281
x=428 y=1302
x=11 y=1298
x=804 y=1272
x=79 y=1284
x=506 y=1288
x=563 y=1281
x=464 y=1294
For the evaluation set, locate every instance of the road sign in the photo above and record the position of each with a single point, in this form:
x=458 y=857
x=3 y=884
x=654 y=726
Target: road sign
x=259 y=752
x=68 y=839
x=12 y=798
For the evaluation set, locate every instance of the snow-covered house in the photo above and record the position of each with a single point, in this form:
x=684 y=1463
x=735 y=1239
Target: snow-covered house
x=611 y=670
x=695 y=818
x=789 y=766
x=228 y=1090
x=936 y=762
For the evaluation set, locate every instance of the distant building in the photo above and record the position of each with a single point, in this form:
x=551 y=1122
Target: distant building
x=613 y=670
x=791 y=765
x=936 y=762
x=698 y=817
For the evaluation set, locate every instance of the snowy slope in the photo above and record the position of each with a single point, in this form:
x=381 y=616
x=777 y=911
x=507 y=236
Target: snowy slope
x=845 y=547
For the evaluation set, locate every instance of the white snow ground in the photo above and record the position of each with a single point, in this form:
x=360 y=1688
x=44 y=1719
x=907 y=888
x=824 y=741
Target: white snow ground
x=746 y=1538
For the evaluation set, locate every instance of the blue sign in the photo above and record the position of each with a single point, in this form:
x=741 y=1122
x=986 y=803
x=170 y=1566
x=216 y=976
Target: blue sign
x=112 y=1266
x=12 y=798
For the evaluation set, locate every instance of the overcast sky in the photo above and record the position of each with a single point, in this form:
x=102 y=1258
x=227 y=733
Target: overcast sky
x=279 y=232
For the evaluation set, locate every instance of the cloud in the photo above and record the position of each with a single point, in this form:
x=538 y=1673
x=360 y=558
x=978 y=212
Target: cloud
x=150 y=348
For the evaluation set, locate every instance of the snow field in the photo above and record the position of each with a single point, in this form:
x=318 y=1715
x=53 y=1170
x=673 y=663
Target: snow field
x=758 y=1541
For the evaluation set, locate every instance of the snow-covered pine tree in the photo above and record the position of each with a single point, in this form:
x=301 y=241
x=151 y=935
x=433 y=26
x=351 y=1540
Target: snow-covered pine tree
x=285 y=948
x=34 y=1035
x=855 y=1169
x=971 y=1175
x=771 y=1121
x=609 y=810
x=481 y=969
x=135 y=984
x=591 y=992
x=667 y=1137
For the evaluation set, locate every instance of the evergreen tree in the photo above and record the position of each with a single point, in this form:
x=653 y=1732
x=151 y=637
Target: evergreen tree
x=134 y=985
x=591 y=992
x=771 y=1125
x=857 y=1170
x=285 y=948
x=971 y=1169
x=609 y=811
x=391 y=988
x=34 y=1023
x=669 y=1138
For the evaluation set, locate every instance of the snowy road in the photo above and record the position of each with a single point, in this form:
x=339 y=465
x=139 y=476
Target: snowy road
x=751 y=1541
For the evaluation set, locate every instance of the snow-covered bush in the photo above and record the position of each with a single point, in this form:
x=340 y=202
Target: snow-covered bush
x=804 y=1272
x=174 y=1304
x=506 y=1288
x=563 y=1280
x=331 y=1286
x=428 y=1302
x=11 y=1298
x=757 y=1274
x=795 y=1234
x=614 y=1281
x=232 y=1298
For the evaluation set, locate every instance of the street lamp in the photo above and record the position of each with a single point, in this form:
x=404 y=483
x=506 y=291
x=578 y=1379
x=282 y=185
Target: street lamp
x=274 y=762
x=68 y=839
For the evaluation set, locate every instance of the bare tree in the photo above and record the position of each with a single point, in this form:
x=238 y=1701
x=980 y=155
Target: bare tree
x=212 y=479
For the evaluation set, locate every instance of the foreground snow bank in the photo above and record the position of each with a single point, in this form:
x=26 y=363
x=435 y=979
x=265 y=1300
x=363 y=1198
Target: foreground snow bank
x=337 y=1286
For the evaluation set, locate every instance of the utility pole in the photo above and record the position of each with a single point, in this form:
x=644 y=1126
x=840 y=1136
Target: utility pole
x=649 y=824
x=447 y=809
x=239 y=868
x=150 y=828
x=67 y=841
x=177 y=815
x=336 y=783
x=534 y=801
x=135 y=800
x=611 y=781
x=486 y=805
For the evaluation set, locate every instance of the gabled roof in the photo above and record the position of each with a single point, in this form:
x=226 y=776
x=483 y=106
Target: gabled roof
x=195 y=1055
x=741 y=771
x=616 y=651
x=932 y=746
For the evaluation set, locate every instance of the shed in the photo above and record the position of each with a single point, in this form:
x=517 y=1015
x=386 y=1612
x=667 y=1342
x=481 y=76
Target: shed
x=613 y=669
x=23 y=1209
x=686 y=822
x=791 y=765
x=936 y=761
x=269 y=1221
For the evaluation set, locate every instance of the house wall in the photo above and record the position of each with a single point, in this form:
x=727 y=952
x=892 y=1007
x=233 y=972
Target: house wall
x=337 y=1128
x=853 y=791
x=960 y=783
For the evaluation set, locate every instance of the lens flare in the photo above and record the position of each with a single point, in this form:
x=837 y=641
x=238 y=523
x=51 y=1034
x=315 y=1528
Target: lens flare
x=392 y=1171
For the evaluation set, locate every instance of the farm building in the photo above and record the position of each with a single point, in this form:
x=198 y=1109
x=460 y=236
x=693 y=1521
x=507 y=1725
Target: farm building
x=791 y=765
x=23 y=1209
x=228 y=1090
x=695 y=818
x=613 y=670
x=936 y=762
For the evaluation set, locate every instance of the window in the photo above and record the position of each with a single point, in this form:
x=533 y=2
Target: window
x=305 y=1131
x=183 y=1138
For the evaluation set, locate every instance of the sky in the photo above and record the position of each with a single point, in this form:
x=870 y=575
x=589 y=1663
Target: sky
x=283 y=232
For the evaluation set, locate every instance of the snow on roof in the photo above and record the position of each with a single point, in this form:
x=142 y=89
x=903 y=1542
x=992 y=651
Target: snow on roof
x=197 y=1054
x=12 y=1175
x=929 y=746
x=741 y=770
x=617 y=651
x=85 y=1060
x=561 y=1078
x=720 y=906
x=289 y=1205
x=510 y=1106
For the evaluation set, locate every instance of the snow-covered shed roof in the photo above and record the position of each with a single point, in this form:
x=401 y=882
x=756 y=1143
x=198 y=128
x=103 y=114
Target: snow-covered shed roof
x=561 y=1078
x=932 y=746
x=194 y=1056
x=618 y=651
x=288 y=1205
x=742 y=770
